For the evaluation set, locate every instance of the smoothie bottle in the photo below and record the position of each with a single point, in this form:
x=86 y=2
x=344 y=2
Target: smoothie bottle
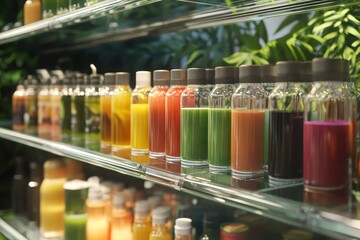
x=31 y=106
x=18 y=107
x=78 y=112
x=44 y=105
x=65 y=107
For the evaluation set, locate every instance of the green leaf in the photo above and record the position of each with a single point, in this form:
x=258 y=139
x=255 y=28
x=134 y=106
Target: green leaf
x=330 y=36
x=355 y=44
x=289 y=20
x=193 y=57
x=351 y=30
x=322 y=27
x=328 y=13
x=353 y=19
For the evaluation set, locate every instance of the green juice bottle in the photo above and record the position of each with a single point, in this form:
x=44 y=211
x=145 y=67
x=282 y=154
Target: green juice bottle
x=194 y=119
x=92 y=114
x=219 y=120
x=78 y=112
x=65 y=107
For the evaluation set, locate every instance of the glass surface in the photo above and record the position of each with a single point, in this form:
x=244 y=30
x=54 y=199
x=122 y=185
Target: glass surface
x=336 y=215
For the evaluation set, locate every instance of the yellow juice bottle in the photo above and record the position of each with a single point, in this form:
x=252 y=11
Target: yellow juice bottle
x=120 y=107
x=140 y=114
x=160 y=230
x=142 y=222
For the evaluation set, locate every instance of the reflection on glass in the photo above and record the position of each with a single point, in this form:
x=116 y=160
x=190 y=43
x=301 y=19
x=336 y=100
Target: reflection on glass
x=193 y=169
x=326 y=199
x=142 y=159
x=222 y=178
x=158 y=162
x=252 y=184
x=173 y=167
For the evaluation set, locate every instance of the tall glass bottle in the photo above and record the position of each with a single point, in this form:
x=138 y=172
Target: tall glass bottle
x=120 y=107
x=157 y=113
x=55 y=103
x=18 y=188
x=65 y=107
x=172 y=114
x=18 y=107
x=76 y=193
x=210 y=78
x=52 y=203
x=219 y=125
x=183 y=229
x=32 y=11
x=329 y=127
x=194 y=119
x=106 y=92
x=286 y=106
x=33 y=193
x=97 y=226
x=268 y=79
x=159 y=230
x=78 y=112
x=92 y=113
x=211 y=226
x=121 y=219
x=140 y=114
x=31 y=107
x=44 y=105
x=247 y=124
x=142 y=221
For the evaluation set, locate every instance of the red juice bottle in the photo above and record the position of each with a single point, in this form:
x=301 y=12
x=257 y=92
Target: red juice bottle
x=157 y=113
x=329 y=127
x=172 y=115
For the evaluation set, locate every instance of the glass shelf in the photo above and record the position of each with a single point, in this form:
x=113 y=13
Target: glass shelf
x=116 y=20
x=336 y=215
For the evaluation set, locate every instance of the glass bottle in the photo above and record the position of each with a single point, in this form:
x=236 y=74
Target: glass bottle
x=97 y=226
x=18 y=107
x=211 y=226
x=306 y=76
x=247 y=124
x=106 y=92
x=52 y=203
x=92 y=113
x=121 y=219
x=268 y=79
x=49 y=8
x=172 y=114
x=286 y=109
x=55 y=103
x=159 y=230
x=18 y=189
x=329 y=127
x=219 y=139
x=32 y=11
x=65 y=108
x=157 y=113
x=78 y=111
x=140 y=114
x=210 y=78
x=142 y=222
x=33 y=193
x=183 y=229
x=194 y=119
x=44 y=105
x=76 y=192
x=120 y=106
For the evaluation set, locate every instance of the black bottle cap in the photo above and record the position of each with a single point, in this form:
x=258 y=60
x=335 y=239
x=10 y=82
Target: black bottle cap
x=250 y=74
x=109 y=79
x=81 y=79
x=288 y=71
x=330 y=69
x=224 y=75
x=268 y=73
x=122 y=78
x=196 y=76
x=210 y=76
x=178 y=77
x=161 y=78
x=236 y=75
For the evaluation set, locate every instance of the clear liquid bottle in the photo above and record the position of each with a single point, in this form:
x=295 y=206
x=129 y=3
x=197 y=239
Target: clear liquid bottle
x=52 y=204
x=57 y=78
x=210 y=78
x=92 y=113
x=120 y=106
x=248 y=106
x=18 y=107
x=106 y=92
x=157 y=113
x=172 y=114
x=33 y=193
x=329 y=127
x=78 y=112
x=219 y=139
x=159 y=230
x=194 y=119
x=286 y=110
x=183 y=229
x=44 y=105
x=140 y=114
x=142 y=221
x=65 y=107
x=121 y=219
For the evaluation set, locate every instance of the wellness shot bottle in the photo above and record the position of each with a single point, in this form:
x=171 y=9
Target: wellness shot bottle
x=65 y=107
x=31 y=106
x=56 y=80
x=44 y=105
x=183 y=229
x=78 y=112
x=18 y=107
x=142 y=221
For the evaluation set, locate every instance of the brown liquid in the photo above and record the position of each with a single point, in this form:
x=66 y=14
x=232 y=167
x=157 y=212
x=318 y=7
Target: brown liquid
x=18 y=108
x=105 y=124
x=32 y=11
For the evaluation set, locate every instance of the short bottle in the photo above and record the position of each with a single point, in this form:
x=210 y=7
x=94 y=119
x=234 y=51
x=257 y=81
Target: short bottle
x=120 y=107
x=172 y=114
x=97 y=226
x=248 y=107
x=210 y=78
x=157 y=113
x=183 y=229
x=78 y=112
x=44 y=105
x=194 y=119
x=18 y=107
x=56 y=80
x=106 y=92
x=65 y=107
x=76 y=192
x=52 y=204
x=219 y=125
x=159 y=230
x=121 y=219
x=329 y=127
x=32 y=11
x=142 y=222
x=140 y=114
x=92 y=113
